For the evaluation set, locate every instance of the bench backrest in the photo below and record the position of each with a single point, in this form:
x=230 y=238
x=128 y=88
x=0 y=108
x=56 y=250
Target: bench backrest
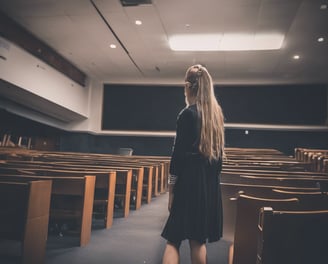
x=288 y=237
x=245 y=240
x=24 y=216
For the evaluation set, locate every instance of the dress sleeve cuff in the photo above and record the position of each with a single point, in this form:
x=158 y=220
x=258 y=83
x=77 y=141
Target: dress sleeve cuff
x=172 y=179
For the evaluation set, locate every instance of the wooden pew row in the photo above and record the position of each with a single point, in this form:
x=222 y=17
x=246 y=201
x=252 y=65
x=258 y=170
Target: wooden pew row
x=160 y=172
x=123 y=182
x=287 y=176
x=109 y=183
x=162 y=161
x=77 y=194
x=302 y=154
x=321 y=182
x=247 y=215
x=160 y=164
x=256 y=151
x=276 y=173
x=244 y=247
x=256 y=158
x=266 y=166
x=291 y=181
x=231 y=190
x=126 y=174
x=316 y=157
x=239 y=158
x=292 y=237
x=259 y=170
x=261 y=165
x=144 y=176
x=151 y=173
x=165 y=161
x=24 y=217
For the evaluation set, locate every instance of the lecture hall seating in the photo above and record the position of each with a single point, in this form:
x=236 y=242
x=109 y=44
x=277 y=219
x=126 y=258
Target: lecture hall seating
x=24 y=216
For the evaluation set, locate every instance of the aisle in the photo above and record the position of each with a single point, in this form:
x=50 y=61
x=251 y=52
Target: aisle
x=135 y=239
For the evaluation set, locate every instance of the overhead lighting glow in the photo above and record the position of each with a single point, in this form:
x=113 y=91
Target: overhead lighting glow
x=112 y=46
x=323 y=7
x=227 y=42
x=138 y=22
x=296 y=57
x=236 y=42
x=268 y=41
x=201 y=42
x=321 y=39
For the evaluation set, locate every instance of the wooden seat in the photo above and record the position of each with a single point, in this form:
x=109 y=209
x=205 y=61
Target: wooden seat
x=231 y=191
x=24 y=217
x=292 y=237
x=245 y=239
x=314 y=200
x=71 y=198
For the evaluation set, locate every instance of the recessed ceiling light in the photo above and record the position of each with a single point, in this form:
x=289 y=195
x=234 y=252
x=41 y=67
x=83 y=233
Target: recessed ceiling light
x=138 y=22
x=296 y=57
x=321 y=39
x=323 y=7
x=113 y=46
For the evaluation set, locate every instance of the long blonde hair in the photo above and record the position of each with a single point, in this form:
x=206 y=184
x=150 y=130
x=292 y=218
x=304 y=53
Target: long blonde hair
x=212 y=129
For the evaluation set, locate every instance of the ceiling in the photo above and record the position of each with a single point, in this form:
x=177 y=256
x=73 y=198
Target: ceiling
x=82 y=31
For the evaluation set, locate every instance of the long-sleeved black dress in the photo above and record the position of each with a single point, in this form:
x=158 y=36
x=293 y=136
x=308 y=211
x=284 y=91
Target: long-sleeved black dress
x=196 y=211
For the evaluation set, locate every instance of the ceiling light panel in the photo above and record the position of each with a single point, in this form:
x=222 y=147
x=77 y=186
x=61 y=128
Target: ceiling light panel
x=226 y=42
x=192 y=42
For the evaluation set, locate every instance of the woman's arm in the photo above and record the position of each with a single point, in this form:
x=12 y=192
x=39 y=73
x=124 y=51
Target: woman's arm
x=182 y=144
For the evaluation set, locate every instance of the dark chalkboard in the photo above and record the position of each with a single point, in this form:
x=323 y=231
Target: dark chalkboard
x=155 y=108
x=147 y=108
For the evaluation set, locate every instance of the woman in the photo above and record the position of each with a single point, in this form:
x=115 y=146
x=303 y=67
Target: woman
x=194 y=186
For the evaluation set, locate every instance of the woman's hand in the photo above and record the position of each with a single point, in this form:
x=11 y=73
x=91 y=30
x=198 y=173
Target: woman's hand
x=171 y=196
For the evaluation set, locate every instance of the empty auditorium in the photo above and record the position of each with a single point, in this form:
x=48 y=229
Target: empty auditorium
x=164 y=131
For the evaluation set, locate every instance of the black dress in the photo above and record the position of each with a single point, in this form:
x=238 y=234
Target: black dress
x=196 y=211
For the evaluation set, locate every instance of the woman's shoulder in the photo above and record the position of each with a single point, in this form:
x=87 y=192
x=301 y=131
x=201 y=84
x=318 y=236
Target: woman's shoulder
x=187 y=113
x=191 y=109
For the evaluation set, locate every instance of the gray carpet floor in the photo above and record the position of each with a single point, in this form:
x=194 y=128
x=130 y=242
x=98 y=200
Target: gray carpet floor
x=132 y=240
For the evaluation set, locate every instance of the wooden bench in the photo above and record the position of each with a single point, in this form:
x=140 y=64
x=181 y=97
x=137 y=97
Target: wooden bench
x=139 y=173
x=292 y=237
x=24 y=216
x=137 y=178
x=244 y=248
x=109 y=182
x=277 y=180
x=155 y=167
x=148 y=181
x=315 y=200
x=272 y=173
x=71 y=198
x=159 y=164
x=231 y=190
